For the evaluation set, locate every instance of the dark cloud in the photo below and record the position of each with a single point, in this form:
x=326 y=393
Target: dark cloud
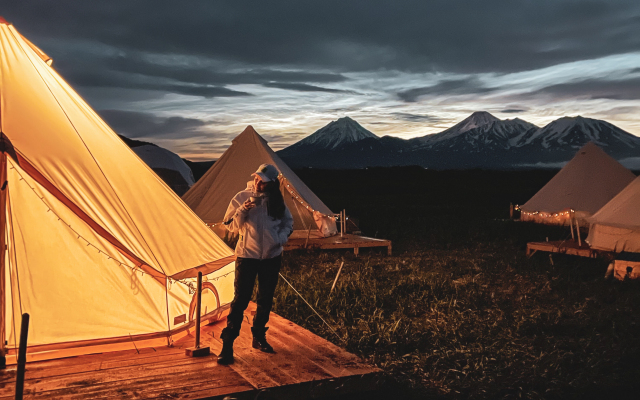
x=415 y=117
x=410 y=35
x=447 y=87
x=114 y=80
x=138 y=125
x=303 y=87
x=135 y=63
x=628 y=89
x=513 y=110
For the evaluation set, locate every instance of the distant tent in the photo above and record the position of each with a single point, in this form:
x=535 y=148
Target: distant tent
x=168 y=166
x=584 y=185
x=616 y=226
x=99 y=251
x=210 y=196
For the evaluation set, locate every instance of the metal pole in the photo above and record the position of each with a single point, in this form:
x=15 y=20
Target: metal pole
x=198 y=308
x=198 y=351
x=22 y=356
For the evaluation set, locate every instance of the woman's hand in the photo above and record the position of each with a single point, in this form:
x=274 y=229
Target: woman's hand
x=248 y=205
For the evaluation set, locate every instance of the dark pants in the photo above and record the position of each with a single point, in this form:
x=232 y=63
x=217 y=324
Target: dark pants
x=246 y=271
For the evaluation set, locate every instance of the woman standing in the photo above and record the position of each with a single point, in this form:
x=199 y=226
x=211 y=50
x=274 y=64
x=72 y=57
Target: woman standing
x=263 y=222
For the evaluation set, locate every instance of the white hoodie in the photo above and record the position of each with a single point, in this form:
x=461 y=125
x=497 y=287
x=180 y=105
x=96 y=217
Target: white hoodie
x=261 y=236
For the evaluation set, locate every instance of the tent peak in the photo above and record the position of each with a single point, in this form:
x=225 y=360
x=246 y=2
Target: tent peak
x=248 y=132
x=249 y=129
x=3 y=21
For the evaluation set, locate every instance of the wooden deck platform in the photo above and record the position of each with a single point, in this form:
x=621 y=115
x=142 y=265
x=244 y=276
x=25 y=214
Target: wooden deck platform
x=304 y=366
x=347 y=241
x=570 y=247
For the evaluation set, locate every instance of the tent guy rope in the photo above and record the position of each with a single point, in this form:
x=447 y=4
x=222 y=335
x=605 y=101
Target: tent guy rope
x=312 y=309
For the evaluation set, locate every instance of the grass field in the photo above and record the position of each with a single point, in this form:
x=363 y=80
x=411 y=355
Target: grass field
x=458 y=311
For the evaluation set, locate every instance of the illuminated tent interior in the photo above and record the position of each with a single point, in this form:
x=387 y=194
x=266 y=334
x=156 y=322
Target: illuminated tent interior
x=99 y=251
x=616 y=226
x=210 y=196
x=584 y=185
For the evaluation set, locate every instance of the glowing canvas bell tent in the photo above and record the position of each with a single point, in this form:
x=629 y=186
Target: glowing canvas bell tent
x=98 y=250
x=210 y=196
x=616 y=226
x=583 y=186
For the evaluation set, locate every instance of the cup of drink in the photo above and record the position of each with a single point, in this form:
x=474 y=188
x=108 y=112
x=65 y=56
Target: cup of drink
x=255 y=200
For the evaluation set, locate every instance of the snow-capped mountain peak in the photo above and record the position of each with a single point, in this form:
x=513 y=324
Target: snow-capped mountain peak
x=475 y=120
x=344 y=130
x=576 y=131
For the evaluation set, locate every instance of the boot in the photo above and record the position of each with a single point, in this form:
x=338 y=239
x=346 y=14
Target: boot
x=226 y=354
x=260 y=340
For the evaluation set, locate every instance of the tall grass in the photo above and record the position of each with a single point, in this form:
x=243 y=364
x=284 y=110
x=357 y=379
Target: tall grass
x=459 y=311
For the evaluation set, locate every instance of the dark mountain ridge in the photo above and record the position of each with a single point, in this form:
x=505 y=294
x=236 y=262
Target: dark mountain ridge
x=479 y=141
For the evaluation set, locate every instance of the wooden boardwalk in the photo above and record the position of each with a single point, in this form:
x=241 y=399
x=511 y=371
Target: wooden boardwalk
x=304 y=366
x=347 y=241
x=570 y=247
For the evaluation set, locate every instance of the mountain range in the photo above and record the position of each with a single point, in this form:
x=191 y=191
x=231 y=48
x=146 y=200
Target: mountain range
x=479 y=141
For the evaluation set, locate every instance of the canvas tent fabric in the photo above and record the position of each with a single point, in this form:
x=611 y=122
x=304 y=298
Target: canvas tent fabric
x=616 y=226
x=584 y=185
x=210 y=196
x=99 y=251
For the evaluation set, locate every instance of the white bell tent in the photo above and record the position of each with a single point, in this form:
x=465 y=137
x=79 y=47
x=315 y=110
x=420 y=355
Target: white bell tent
x=98 y=250
x=210 y=196
x=583 y=186
x=616 y=226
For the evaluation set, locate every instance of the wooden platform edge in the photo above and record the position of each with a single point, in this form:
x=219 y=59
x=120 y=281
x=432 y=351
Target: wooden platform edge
x=342 y=386
x=348 y=243
x=561 y=248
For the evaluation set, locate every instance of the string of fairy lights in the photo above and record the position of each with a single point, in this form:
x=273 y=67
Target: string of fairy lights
x=299 y=198
x=135 y=269
x=543 y=214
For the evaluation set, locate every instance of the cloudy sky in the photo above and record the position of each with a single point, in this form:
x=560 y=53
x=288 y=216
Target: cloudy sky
x=190 y=75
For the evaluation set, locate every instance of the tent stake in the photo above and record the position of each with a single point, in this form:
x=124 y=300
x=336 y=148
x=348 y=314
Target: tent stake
x=22 y=356
x=198 y=351
x=336 y=280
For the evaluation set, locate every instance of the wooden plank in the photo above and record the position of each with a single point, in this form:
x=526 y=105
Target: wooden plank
x=351 y=362
x=136 y=387
x=250 y=369
x=304 y=366
x=117 y=374
x=39 y=372
x=282 y=366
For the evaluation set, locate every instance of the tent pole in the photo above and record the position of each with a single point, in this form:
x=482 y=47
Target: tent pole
x=198 y=351
x=22 y=356
x=344 y=221
x=578 y=232
x=3 y=250
x=571 y=225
